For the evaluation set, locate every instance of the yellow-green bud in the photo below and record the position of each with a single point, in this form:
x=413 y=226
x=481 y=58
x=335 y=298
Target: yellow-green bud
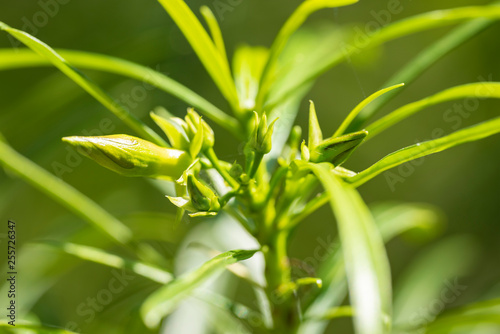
x=131 y=156
x=202 y=197
x=338 y=149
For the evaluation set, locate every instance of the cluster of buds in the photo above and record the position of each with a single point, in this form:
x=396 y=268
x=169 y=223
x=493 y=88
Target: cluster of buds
x=335 y=150
x=131 y=156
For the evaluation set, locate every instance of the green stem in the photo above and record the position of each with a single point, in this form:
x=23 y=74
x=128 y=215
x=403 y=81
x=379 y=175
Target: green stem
x=313 y=205
x=255 y=164
x=210 y=154
x=277 y=274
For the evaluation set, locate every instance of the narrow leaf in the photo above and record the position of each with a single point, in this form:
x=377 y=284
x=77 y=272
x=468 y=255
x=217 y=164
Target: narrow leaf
x=315 y=134
x=248 y=63
x=365 y=259
x=21 y=58
x=416 y=151
x=164 y=300
x=215 y=31
x=200 y=41
x=473 y=90
x=354 y=113
x=418 y=23
x=89 y=86
x=424 y=60
x=111 y=260
x=298 y=17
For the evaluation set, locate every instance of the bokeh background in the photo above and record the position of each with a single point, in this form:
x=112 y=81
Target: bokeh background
x=38 y=106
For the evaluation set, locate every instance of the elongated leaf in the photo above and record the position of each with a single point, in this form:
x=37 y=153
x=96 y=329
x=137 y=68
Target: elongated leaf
x=366 y=262
x=354 y=113
x=298 y=17
x=21 y=58
x=392 y=219
x=111 y=260
x=215 y=31
x=390 y=32
x=467 y=318
x=419 y=150
x=474 y=90
x=200 y=41
x=75 y=75
x=163 y=301
x=425 y=59
x=248 y=63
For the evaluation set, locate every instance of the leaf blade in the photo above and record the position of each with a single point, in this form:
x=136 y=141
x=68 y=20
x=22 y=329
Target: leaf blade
x=366 y=262
x=419 y=150
x=89 y=86
x=164 y=300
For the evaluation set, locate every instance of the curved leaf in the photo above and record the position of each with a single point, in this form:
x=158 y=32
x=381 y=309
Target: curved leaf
x=367 y=266
x=418 y=65
x=298 y=17
x=100 y=256
x=21 y=58
x=164 y=300
x=416 y=151
x=390 y=32
x=354 y=113
x=89 y=86
x=473 y=90
x=200 y=41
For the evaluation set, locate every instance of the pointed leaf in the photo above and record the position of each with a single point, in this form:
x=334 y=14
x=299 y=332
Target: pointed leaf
x=354 y=113
x=473 y=90
x=315 y=134
x=366 y=262
x=89 y=86
x=164 y=300
x=418 y=23
x=248 y=63
x=298 y=17
x=215 y=31
x=416 y=151
x=111 y=260
x=214 y=63
x=21 y=58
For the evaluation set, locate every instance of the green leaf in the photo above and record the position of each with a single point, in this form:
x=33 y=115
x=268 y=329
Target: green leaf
x=89 y=86
x=215 y=31
x=21 y=58
x=367 y=266
x=248 y=63
x=474 y=90
x=315 y=134
x=298 y=17
x=354 y=113
x=392 y=219
x=200 y=41
x=418 y=23
x=111 y=260
x=467 y=318
x=416 y=151
x=163 y=301
x=418 y=65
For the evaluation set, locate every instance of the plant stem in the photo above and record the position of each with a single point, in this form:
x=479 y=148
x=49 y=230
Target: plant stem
x=210 y=154
x=278 y=273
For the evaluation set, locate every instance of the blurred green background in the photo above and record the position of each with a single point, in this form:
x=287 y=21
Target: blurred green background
x=39 y=106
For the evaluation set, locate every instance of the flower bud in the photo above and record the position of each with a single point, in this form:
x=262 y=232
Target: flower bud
x=131 y=156
x=202 y=197
x=261 y=141
x=338 y=149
